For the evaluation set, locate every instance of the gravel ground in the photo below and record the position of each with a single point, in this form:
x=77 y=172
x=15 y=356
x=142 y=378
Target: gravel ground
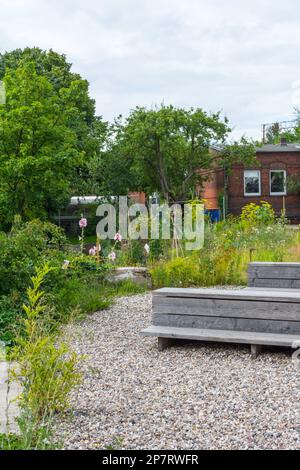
x=190 y=396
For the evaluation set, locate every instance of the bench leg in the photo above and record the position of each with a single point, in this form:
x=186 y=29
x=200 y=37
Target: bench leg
x=164 y=343
x=255 y=350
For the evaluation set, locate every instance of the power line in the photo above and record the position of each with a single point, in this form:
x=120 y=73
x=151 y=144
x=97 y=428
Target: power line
x=281 y=126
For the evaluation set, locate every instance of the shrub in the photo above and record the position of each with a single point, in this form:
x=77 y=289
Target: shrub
x=9 y=318
x=258 y=214
x=46 y=369
x=226 y=254
x=25 y=247
x=32 y=244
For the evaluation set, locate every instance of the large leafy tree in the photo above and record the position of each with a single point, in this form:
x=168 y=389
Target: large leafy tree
x=49 y=134
x=55 y=68
x=167 y=150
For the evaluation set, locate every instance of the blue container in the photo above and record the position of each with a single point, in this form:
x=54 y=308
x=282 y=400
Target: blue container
x=214 y=215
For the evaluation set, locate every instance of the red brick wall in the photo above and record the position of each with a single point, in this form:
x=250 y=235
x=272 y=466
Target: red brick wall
x=213 y=183
x=209 y=191
x=137 y=197
x=268 y=161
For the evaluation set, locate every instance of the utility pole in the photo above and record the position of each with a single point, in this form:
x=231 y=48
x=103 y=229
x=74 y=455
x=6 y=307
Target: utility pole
x=264 y=133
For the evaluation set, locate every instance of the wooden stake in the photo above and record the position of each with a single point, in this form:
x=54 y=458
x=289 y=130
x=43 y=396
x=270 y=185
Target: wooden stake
x=98 y=249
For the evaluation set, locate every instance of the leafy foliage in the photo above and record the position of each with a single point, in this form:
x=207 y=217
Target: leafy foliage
x=164 y=147
x=275 y=132
x=228 y=248
x=164 y=150
x=46 y=370
x=76 y=291
x=9 y=317
x=31 y=437
x=49 y=134
x=258 y=214
x=22 y=249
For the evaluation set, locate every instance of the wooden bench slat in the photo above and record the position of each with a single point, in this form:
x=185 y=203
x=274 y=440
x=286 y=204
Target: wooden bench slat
x=226 y=308
x=274 y=273
x=225 y=323
x=286 y=275
x=257 y=282
x=239 y=294
x=274 y=263
x=228 y=336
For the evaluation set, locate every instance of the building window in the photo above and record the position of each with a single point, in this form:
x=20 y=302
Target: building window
x=277 y=182
x=252 y=183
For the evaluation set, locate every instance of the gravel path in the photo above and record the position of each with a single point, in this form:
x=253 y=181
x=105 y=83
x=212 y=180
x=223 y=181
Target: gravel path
x=190 y=396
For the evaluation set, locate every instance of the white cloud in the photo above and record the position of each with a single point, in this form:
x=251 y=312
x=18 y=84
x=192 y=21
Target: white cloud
x=241 y=58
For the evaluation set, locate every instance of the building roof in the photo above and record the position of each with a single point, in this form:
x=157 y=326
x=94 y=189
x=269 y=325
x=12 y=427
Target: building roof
x=295 y=147
x=216 y=147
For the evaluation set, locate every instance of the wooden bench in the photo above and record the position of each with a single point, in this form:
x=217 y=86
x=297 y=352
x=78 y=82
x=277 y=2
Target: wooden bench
x=250 y=316
x=274 y=275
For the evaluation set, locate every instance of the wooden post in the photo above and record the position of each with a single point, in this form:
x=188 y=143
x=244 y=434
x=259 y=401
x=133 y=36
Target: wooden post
x=164 y=343
x=255 y=350
x=98 y=249
x=283 y=207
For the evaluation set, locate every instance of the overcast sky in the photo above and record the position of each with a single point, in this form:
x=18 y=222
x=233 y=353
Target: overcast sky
x=236 y=56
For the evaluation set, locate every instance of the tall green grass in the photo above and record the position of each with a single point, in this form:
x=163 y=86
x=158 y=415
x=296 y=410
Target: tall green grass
x=228 y=248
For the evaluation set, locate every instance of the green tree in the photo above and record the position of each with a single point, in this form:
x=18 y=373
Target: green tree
x=52 y=66
x=167 y=149
x=49 y=134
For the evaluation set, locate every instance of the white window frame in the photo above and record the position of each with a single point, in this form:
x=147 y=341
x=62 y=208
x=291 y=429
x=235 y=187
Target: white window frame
x=259 y=182
x=270 y=182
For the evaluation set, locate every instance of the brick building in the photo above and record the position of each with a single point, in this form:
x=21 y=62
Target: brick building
x=277 y=164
